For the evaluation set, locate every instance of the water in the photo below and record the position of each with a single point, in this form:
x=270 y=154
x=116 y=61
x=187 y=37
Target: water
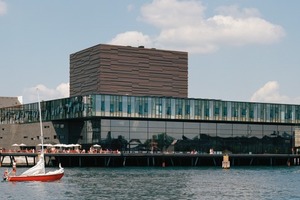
x=162 y=183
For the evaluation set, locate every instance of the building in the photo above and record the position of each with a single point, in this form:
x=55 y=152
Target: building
x=137 y=122
x=10 y=101
x=125 y=70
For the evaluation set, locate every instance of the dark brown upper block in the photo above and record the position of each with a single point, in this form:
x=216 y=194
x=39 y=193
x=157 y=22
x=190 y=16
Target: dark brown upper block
x=125 y=70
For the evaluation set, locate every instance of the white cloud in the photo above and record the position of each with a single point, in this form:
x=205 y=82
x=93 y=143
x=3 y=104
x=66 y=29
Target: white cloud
x=269 y=93
x=182 y=25
x=30 y=94
x=3 y=7
x=172 y=13
x=132 y=38
x=242 y=31
x=236 y=12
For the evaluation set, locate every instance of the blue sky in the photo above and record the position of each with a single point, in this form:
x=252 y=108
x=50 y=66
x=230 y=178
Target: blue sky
x=242 y=50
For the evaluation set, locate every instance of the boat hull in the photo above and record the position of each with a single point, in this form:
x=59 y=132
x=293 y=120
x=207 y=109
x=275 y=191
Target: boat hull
x=40 y=177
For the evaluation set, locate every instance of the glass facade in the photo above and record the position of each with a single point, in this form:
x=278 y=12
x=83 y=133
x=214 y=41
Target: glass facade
x=200 y=136
x=200 y=124
x=152 y=108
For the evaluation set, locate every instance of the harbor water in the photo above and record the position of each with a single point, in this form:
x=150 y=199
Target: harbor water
x=162 y=183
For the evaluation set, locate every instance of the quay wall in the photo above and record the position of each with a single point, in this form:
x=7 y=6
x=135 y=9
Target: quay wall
x=149 y=160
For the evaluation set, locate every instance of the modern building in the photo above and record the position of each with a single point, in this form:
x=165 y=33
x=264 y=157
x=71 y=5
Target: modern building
x=125 y=70
x=10 y=101
x=127 y=118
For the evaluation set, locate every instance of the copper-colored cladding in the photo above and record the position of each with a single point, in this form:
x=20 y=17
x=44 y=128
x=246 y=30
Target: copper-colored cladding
x=125 y=70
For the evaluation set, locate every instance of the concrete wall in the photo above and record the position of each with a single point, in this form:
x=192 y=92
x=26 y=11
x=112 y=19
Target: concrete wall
x=28 y=134
x=9 y=101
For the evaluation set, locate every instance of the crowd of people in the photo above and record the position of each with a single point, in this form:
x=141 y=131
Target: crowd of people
x=62 y=150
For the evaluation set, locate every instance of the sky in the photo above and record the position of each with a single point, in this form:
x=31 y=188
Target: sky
x=238 y=50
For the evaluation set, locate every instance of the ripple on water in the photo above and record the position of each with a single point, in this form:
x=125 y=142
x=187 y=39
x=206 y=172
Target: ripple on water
x=163 y=183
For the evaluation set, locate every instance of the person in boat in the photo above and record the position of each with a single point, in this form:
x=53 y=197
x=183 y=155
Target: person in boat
x=14 y=169
x=5 y=175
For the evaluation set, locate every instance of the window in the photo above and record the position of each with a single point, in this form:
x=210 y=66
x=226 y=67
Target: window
x=102 y=106
x=112 y=109
x=129 y=109
x=224 y=111
x=178 y=107
x=120 y=106
x=168 y=110
x=187 y=109
x=217 y=111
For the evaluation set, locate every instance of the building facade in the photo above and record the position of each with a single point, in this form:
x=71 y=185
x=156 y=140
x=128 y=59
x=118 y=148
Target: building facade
x=114 y=121
x=125 y=70
x=130 y=98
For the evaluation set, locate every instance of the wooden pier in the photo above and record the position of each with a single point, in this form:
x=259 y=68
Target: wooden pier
x=150 y=159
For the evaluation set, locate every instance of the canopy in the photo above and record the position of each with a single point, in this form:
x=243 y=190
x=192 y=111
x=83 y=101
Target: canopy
x=67 y=145
x=46 y=145
x=59 y=145
x=71 y=145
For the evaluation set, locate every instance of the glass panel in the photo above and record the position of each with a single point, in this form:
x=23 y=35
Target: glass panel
x=138 y=130
x=191 y=130
x=240 y=130
x=208 y=129
x=224 y=130
x=255 y=131
x=270 y=130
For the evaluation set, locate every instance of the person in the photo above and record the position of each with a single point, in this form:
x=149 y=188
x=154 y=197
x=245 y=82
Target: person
x=5 y=175
x=14 y=170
